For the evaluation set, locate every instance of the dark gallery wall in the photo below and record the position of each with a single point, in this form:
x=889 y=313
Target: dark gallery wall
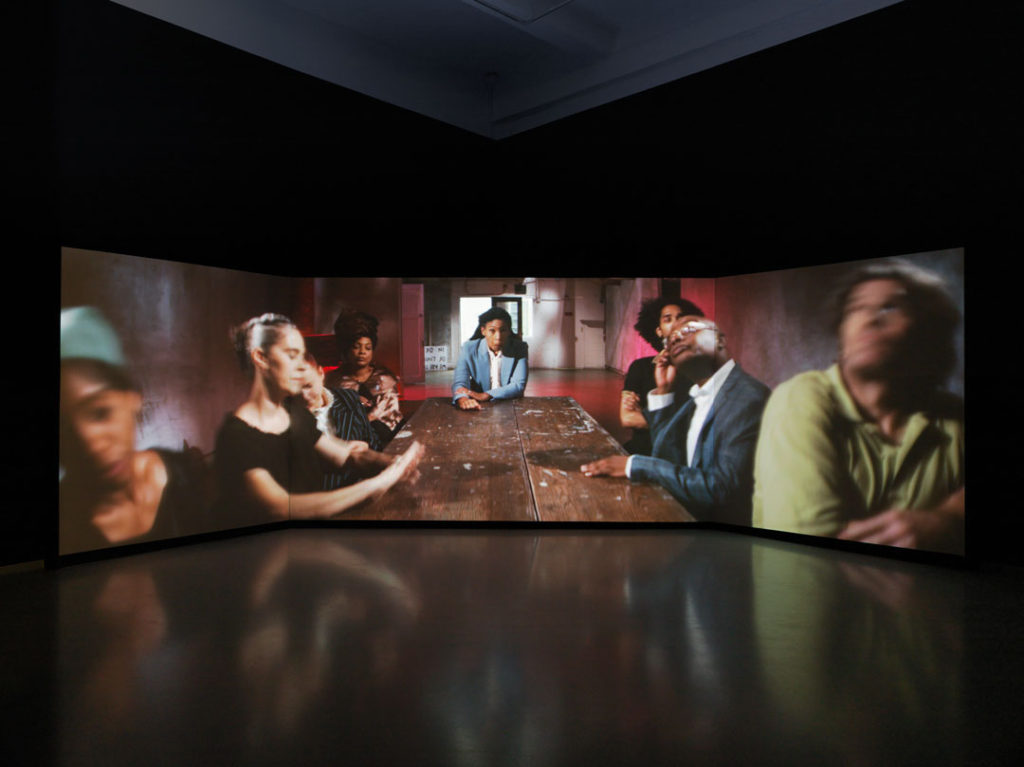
x=872 y=135
x=173 y=145
x=886 y=134
x=873 y=138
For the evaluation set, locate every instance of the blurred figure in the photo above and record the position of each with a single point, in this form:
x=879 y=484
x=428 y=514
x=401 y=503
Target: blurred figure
x=703 y=448
x=813 y=610
x=110 y=492
x=338 y=412
x=492 y=363
x=269 y=449
x=129 y=627
x=872 y=449
x=356 y=336
x=654 y=321
x=294 y=650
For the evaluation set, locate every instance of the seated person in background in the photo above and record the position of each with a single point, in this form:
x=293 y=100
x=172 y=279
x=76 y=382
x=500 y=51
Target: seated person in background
x=340 y=413
x=703 y=447
x=492 y=363
x=110 y=492
x=356 y=336
x=269 y=449
x=653 y=322
x=871 y=449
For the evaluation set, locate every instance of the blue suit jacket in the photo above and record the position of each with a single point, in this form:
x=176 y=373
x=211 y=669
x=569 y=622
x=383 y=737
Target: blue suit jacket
x=719 y=485
x=473 y=370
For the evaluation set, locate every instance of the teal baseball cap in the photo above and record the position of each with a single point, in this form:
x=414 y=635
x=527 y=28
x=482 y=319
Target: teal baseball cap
x=85 y=334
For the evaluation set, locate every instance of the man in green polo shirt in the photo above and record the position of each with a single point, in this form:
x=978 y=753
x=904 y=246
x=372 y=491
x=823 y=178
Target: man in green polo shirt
x=871 y=449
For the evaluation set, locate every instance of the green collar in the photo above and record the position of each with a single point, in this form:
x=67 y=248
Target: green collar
x=918 y=423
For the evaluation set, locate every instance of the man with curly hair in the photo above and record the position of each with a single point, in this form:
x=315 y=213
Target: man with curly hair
x=654 y=322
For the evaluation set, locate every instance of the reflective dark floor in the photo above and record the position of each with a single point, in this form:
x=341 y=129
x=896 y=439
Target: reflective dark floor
x=449 y=647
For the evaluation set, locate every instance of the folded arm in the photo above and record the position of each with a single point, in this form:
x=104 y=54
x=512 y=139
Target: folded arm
x=516 y=385
x=940 y=528
x=630 y=414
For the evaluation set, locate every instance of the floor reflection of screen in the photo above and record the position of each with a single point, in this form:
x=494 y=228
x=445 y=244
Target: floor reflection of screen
x=824 y=401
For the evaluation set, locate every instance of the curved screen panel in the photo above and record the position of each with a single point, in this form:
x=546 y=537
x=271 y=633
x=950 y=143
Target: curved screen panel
x=823 y=401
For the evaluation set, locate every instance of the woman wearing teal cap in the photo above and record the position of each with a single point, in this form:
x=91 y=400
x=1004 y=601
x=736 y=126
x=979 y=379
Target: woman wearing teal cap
x=109 y=491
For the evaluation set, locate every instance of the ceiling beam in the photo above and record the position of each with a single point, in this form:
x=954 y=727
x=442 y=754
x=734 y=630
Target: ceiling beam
x=556 y=22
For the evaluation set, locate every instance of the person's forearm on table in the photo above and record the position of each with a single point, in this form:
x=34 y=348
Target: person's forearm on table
x=276 y=500
x=318 y=505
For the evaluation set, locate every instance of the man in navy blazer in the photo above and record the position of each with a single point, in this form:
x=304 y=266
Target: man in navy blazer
x=703 y=448
x=492 y=364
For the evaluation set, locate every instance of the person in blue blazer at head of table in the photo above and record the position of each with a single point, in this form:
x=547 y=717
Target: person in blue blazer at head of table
x=492 y=363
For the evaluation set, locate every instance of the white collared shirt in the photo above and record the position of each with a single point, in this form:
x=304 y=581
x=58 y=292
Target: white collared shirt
x=495 y=367
x=703 y=398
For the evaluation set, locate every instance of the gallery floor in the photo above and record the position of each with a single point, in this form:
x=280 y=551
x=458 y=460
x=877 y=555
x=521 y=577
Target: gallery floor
x=509 y=647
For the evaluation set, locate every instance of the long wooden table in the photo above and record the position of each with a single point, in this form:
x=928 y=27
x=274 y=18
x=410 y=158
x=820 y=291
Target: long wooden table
x=515 y=461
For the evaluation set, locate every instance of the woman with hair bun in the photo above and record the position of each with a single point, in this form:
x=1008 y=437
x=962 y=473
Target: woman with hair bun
x=269 y=449
x=356 y=335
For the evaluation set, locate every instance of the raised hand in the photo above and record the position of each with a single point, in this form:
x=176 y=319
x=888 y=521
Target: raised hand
x=631 y=400
x=664 y=372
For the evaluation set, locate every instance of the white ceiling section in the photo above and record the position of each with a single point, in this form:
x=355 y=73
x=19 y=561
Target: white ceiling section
x=499 y=67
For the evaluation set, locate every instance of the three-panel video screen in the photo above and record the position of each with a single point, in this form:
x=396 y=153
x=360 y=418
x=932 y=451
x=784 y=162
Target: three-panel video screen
x=824 y=401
